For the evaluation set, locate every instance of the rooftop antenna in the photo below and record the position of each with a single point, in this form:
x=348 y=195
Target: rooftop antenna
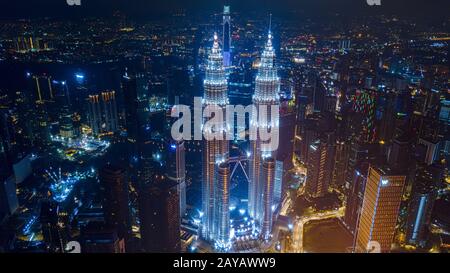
x=270 y=22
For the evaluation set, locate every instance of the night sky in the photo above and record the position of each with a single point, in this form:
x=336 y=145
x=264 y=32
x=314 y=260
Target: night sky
x=153 y=8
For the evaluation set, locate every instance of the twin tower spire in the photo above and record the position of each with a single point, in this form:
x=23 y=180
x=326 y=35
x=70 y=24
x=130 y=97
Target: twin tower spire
x=215 y=217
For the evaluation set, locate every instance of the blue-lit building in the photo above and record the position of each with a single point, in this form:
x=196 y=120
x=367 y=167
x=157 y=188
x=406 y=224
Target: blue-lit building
x=444 y=114
x=423 y=197
x=278 y=185
x=214 y=227
x=226 y=36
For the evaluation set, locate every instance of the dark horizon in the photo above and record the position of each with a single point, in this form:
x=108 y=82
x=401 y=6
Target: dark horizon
x=142 y=9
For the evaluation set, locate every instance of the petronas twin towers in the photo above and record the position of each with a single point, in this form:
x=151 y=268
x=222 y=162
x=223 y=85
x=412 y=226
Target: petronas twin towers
x=261 y=184
x=215 y=222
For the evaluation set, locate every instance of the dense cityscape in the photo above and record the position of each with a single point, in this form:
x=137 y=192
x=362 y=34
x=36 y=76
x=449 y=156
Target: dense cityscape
x=88 y=157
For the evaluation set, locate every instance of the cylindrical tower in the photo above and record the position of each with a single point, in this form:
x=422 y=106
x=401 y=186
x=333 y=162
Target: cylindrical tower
x=215 y=151
x=268 y=178
x=223 y=214
x=267 y=87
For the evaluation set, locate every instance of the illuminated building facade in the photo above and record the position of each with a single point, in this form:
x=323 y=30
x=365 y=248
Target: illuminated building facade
x=423 y=196
x=320 y=165
x=223 y=204
x=215 y=152
x=355 y=197
x=103 y=113
x=267 y=87
x=131 y=106
x=268 y=179
x=110 y=111
x=43 y=89
x=278 y=186
x=95 y=114
x=177 y=171
x=226 y=36
x=380 y=209
x=365 y=104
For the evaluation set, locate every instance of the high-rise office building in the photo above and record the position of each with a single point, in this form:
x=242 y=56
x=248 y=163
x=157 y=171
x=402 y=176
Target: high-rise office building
x=114 y=183
x=341 y=164
x=95 y=116
x=226 y=36
x=215 y=150
x=131 y=105
x=63 y=109
x=285 y=151
x=425 y=188
x=41 y=126
x=320 y=165
x=308 y=135
x=110 y=111
x=159 y=209
x=364 y=103
x=177 y=171
x=380 y=210
x=267 y=88
x=103 y=116
x=358 y=153
x=355 y=197
x=42 y=87
x=432 y=150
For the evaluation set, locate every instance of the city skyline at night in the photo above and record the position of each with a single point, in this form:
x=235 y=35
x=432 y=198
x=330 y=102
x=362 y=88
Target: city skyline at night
x=223 y=127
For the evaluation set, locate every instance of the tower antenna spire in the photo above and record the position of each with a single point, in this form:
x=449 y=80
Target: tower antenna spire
x=270 y=22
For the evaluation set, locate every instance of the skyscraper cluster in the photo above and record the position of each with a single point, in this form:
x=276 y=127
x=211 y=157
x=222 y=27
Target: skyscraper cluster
x=215 y=225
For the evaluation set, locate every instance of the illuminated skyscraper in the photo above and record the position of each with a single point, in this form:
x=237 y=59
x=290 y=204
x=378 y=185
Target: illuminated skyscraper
x=320 y=165
x=380 y=209
x=365 y=104
x=226 y=36
x=215 y=151
x=110 y=111
x=268 y=178
x=131 y=105
x=103 y=112
x=95 y=118
x=355 y=197
x=278 y=185
x=43 y=89
x=177 y=171
x=223 y=204
x=423 y=196
x=267 y=87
